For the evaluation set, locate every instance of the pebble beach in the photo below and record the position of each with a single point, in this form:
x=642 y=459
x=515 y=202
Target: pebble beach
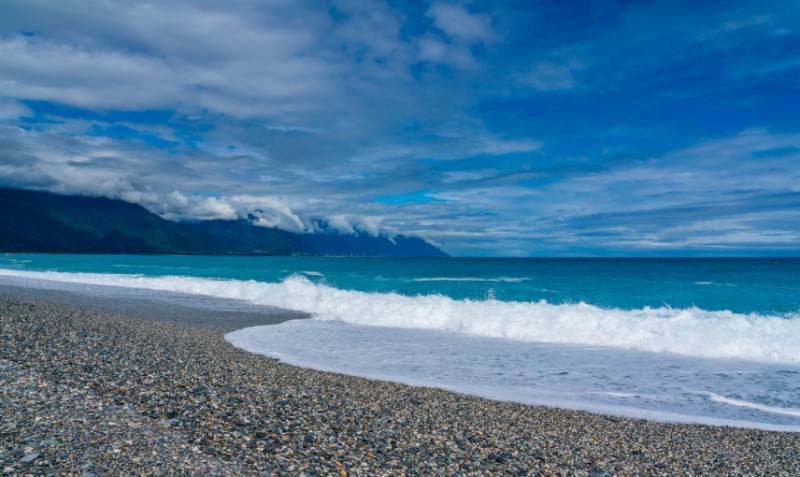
x=87 y=391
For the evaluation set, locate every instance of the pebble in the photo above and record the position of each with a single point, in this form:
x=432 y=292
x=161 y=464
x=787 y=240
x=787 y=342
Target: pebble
x=89 y=393
x=29 y=458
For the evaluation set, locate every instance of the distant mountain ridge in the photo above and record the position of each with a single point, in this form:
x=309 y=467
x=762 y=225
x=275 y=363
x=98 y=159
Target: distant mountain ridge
x=32 y=221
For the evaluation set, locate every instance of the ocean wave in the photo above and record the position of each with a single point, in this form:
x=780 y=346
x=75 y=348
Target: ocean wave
x=471 y=279
x=687 y=331
x=706 y=283
x=754 y=405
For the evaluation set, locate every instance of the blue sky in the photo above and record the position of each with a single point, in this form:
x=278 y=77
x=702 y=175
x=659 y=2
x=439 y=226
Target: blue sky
x=490 y=128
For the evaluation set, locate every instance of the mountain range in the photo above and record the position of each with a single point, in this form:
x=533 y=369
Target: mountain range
x=43 y=222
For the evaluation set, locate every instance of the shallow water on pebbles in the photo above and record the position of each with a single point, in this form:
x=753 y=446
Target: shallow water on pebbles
x=659 y=386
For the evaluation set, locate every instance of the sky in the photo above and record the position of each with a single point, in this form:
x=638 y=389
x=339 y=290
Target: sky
x=516 y=128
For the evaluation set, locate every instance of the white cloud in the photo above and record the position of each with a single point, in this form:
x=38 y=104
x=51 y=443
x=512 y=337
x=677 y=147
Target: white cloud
x=10 y=109
x=458 y=23
x=294 y=112
x=350 y=224
x=340 y=223
x=455 y=34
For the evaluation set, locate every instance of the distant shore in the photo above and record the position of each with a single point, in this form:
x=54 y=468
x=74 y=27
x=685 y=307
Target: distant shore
x=111 y=386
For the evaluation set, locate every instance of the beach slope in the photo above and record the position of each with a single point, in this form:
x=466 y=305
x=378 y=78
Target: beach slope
x=93 y=391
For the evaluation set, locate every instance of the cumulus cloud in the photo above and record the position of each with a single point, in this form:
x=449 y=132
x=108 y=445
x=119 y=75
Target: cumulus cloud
x=459 y=23
x=456 y=31
x=265 y=211
x=349 y=224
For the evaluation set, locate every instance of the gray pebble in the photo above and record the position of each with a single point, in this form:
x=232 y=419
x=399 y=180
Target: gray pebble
x=105 y=394
x=28 y=458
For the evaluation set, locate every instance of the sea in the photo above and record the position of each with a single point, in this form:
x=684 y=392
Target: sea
x=710 y=341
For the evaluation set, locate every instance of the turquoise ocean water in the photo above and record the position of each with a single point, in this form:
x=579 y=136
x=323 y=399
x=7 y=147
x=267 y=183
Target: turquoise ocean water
x=767 y=286
x=697 y=340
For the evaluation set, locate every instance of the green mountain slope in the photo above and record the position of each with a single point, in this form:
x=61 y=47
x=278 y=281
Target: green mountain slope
x=32 y=221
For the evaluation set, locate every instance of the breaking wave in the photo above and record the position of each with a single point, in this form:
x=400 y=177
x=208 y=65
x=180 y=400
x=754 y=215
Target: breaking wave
x=686 y=331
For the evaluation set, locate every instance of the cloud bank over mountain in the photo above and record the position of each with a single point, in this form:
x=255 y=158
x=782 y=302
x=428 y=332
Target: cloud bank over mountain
x=490 y=128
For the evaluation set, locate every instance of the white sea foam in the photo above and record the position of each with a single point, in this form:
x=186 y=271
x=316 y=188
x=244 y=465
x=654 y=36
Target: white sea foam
x=689 y=331
x=19 y=261
x=705 y=283
x=665 y=387
x=754 y=405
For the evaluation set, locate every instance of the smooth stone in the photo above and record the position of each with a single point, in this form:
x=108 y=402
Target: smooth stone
x=30 y=458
